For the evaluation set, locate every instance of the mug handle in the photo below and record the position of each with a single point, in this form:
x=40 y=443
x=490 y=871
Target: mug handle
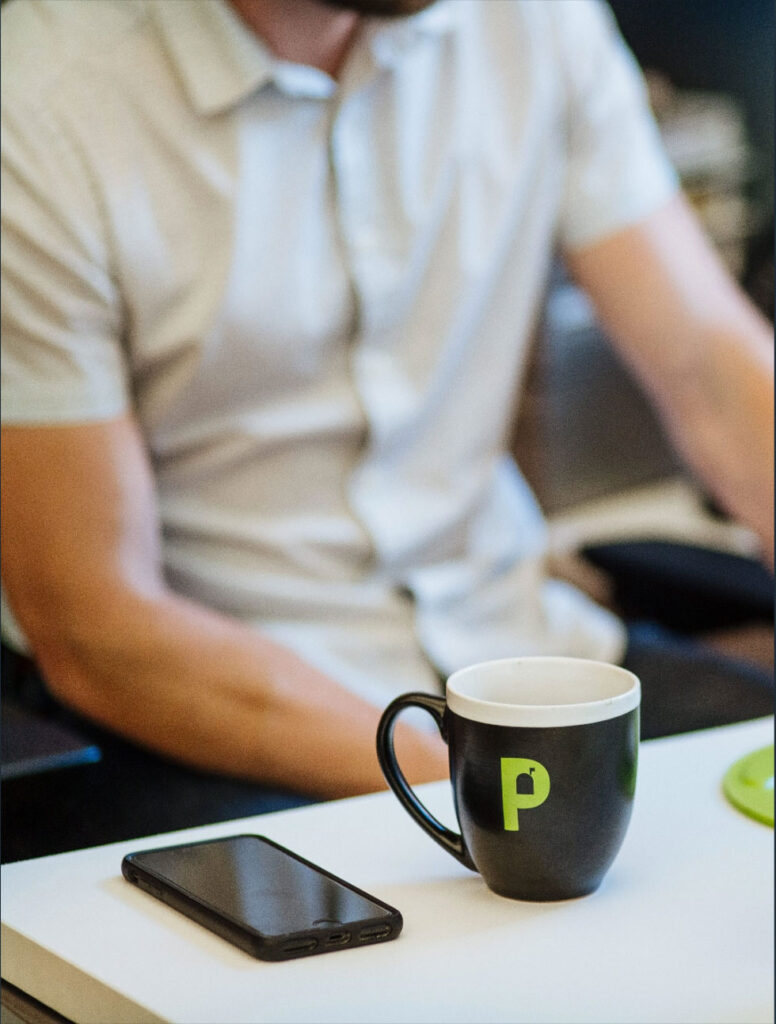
x=447 y=839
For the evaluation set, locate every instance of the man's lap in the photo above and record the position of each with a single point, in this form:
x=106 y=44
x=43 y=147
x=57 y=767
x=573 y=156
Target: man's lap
x=130 y=792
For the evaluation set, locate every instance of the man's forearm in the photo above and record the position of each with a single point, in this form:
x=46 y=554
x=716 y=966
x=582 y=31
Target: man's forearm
x=721 y=416
x=82 y=567
x=698 y=346
x=210 y=692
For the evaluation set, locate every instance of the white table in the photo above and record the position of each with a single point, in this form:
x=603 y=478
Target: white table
x=680 y=931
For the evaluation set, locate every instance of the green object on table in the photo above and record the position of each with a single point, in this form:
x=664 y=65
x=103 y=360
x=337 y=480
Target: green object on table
x=748 y=784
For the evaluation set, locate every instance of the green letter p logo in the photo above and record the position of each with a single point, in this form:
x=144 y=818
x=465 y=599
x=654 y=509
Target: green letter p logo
x=524 y=784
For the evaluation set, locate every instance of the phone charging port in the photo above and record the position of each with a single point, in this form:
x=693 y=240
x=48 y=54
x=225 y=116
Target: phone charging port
x=338 y=939
x=300 y=946
x=376 y=931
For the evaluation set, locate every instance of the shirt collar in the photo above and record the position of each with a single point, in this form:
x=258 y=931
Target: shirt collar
x=220 y=61
x=389 y=38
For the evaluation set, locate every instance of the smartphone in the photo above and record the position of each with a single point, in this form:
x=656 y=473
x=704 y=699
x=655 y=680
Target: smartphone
x=262 y=897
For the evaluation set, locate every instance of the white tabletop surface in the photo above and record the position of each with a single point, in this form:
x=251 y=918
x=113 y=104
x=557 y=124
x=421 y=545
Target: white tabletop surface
x=680 y=931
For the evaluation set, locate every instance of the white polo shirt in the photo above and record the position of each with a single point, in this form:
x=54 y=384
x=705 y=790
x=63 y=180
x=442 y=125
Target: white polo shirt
x=316 y=297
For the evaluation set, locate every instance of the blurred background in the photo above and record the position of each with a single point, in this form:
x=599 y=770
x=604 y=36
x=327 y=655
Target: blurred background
x=710 y=65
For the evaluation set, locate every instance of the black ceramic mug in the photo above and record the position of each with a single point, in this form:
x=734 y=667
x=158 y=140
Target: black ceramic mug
x=543 y=755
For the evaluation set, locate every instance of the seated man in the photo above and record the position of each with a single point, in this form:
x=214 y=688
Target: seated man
x=269 y=271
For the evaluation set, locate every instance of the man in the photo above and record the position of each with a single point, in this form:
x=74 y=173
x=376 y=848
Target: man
x=269 y=270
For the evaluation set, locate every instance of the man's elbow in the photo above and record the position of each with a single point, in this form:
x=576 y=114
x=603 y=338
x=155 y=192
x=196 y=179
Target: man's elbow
x=79 y=636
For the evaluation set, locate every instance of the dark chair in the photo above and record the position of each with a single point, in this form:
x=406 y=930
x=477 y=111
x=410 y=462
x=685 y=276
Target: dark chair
x=688 y=588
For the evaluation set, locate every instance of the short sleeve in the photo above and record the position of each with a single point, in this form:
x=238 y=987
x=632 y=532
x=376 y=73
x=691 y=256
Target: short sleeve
x=62 y=358
x=617 y=171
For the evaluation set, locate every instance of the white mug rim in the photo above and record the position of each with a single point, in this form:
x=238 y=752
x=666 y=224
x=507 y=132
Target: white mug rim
x=550 y=714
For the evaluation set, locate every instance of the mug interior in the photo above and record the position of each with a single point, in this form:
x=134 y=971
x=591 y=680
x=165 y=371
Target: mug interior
x=542 y=691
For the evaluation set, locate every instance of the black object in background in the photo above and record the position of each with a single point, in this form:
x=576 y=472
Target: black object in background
x=30 y=743
x=262 y=897
x=685 y=587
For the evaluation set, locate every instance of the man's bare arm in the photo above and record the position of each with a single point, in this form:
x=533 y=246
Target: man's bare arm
x=701 y=349
x=81 y=565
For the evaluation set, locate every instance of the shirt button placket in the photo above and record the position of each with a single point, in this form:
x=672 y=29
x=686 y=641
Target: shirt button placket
x=369 y=272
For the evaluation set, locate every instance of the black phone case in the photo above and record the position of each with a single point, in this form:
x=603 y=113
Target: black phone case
x=289 y=946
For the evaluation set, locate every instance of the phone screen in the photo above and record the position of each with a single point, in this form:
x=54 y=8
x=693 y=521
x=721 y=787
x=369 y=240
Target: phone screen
x=253 y=881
